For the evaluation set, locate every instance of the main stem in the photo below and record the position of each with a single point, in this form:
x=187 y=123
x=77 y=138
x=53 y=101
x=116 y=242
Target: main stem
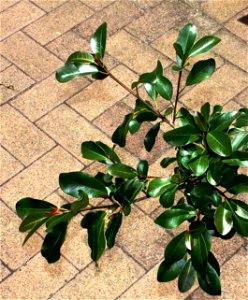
x=177 y=95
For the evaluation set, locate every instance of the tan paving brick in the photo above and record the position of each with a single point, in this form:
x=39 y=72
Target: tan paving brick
x=41 y=178
x=135 y=54
x=13 y=82
x=37 y=62
x=232 y=105
x=117 y=15
x=70 y=129
x=26 y=282
x=142 y=238
x=228 y=49
x=146 y=4
x=225 y=83
x=232 y=274
x=91 y=283
x=7 y=3
x=12 y=251
x=222 y=10
x=18 y=16
x=45 y=95
x=101 y=94
x=237 y=27
x=21 y=137
x=49 y=5
x=242 y=98
x=3 y=63
x=9 y=165
x=55 y=23
x=150 y=289
x=97 y=5
x=4 y=272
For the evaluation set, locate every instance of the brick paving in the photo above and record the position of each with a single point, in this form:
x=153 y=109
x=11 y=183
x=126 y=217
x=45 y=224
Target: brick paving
x=43 y=124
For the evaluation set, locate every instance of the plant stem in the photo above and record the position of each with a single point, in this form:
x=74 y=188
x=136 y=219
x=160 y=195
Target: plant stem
x=177 y=96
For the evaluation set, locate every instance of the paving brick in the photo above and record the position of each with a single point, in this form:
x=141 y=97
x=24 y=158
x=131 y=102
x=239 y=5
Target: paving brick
x=26 y=282
x=55 y=23
x=97 y=5
x=224 y=84
x=237 y=27
x=222 y=10
x=41 y=178
x=117 y=15
x=150 y=289
x=45 y=95
x=12 y=251
x=48 y=5
x=232 y=274
x=232 y=105
x=146 y=4
x=242 y=98
x=115 y=268
x=9 y=165
x=4 y=272
x=101 y=94
x=70 y=129
x=7 y=3
x=228 y=48
x=37 y=62
x=16 y=129
x=4 y=63
x=13 y=81
x=18 y=16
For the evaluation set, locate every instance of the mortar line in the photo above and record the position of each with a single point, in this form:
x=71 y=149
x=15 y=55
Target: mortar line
x=10 y=6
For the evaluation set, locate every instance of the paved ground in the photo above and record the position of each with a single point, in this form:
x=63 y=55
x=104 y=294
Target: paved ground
x=43 y=124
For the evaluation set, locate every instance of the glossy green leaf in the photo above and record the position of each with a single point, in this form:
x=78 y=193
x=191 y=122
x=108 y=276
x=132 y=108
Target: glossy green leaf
x=199 y=253
x=219 y=142
x=168 y=196
x=223 y=220
x=173 y=217
x=170 y=271
x=240 y=141
x=182 y=136
x=206 y=194
x=238 y=184
x=196 y=228
x=119 y=135
x=122 y=171
x=201 y=70
x=150 y=137
x=179 y=52
x=30 y=221
x=94 y=222
x=214 y=173
x=205 y=110
x=176 y=248
x=187 y=277
x=164 y=87
x=165 y=162
x=81 y=58
x=128 y=190
x=35 y=227
x=211 y=284
x=200 y=122
x=29 y=206
x=240 y=208
x=186 y=38
x=203 y=45
x=134 y=126
x=157 y=186
x=240 y=225
x=222 y=121
x=242 y=121
x=113 y=228
x=142 y=168
x=74 y=183
x=213 y=262
x=53 y=241
x=98 y=40
x=199 y=165
x=237 y=159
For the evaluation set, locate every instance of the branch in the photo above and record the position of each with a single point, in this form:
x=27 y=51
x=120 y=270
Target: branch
x=177 y=95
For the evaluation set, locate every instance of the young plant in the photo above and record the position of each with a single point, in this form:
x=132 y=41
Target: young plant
x=210 y=145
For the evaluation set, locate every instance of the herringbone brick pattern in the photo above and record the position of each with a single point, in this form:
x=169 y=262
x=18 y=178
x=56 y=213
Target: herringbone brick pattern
x=43 y=124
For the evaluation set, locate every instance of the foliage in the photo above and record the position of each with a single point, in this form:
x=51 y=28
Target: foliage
x=210 y=147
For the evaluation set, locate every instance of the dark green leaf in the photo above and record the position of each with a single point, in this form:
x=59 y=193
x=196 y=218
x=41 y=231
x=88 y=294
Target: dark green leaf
x=134 y=126
x=182 y=135
x=94 y=222
x=76 y=182
x=93 y=151
x=142 y=168
x=59 y=218
x=203 y=45
x=241 y=121
x=213 y=262
x=211 y=284
x=176 y=248
x=238 y=159
x=122 y=171
x=196 y=228
x=150 y=137
x=239 y=184
x=165 y=162
x=187 y=277
x=240 y=225
x=222 y=121
x=240 y=208
x=214 y=173
x=119 y=136
x=113 y=228
x=168 y=196
x=223 y=220
x=199 y=253
x=219 y=142
x=205 y=110
x=201 y=70
x=128 y=190
x=240 y=141
x=186 y=38
x=201 y=122
x=98 y=40
x=80 y=58
x=30 y=221
x=170 y=271
x=168 y=111
x=179 y=52
x=157 y=186
x=164 y=87
x=34 y=228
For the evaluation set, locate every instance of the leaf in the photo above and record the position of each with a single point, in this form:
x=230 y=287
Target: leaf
x=150 y=137
x=157 y=186
x=176 y=248
x=238 y=159
x=179 y=52
x=113 y=228
x=239 y=184
x=214 y=173
x=30 y=221
x=187 y=277
x=240 y=141
x=142 y=168
x=223 y=220
x=72 y=70
x=240 y=208
x=164 y=87
x=29 y=206
x=53 y=241
x=199 y=165
x=94 y=222
x=219 y=142
x=203 y=45
x=199 y=253
x=213 y=262
x=81 y=58
x=134 y=126
x=186 y=38
x=211 y=284
x=170 y=271
x=168 y=196
x=165 y=162
x=222 y=121
x=173 y=217
x=240 y=225
x=98 y=40
x=122 y=171
x=201 y=70
x=36 y=226
x=59 y=218
x=119 y=135
x=205 y=110
x=182 y=136
x=74 y=183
